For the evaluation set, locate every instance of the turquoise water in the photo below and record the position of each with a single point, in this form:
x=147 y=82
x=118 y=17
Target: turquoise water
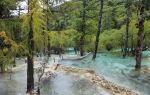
x=118 y=70
x=64 y=84
x=113 y=68
x=146 y=53
x=61 y=84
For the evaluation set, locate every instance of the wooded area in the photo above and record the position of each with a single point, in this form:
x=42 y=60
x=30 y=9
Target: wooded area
x=49 y=27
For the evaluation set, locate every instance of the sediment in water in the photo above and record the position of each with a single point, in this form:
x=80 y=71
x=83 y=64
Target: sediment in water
x=93 y=77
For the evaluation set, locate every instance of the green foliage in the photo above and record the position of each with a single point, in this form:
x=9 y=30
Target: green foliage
x=64 y=38
x=38 y=24
x=115 y=38
x=111 y=37
x=6 y=6
x=12 y=26
x=90 y=41
x=8 y=49
x=63 y=24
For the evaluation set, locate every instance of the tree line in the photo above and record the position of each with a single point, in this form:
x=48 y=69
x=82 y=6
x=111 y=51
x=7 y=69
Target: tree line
x=85 y=25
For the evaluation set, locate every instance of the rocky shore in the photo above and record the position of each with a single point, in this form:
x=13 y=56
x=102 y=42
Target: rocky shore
x=91 y=76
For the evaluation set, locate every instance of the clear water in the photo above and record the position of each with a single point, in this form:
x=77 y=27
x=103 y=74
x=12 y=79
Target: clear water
x=118 y=70
x=62 y=84
x=113 y=68
x=17 y=84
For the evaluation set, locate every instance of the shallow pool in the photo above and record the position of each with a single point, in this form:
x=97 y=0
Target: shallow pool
x=64 y=84
x=61 y=84
x=118 y=70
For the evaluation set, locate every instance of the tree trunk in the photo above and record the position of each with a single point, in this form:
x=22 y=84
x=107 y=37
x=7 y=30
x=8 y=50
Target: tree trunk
x=140 y=39
x=28 y=5
x=128 y=5
x=2 y=68
x=99 y=29
x=14 y=62
x=82 y=38
x=30 y=73
x=132 y=45
x=44 y=49
x=81 y=45
x=49 y=47
x=75 y=50
x=1 y=12
x=44 y=36
x=30 y=70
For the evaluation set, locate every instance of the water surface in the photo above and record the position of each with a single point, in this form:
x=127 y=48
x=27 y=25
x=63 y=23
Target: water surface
x=118 y=70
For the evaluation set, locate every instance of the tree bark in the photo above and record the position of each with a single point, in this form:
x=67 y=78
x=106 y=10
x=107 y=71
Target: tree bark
x=128 y=5
x=82 y=45
x=49 y=47
x=2 y=68
x=14 y=62
x=132 y=45
x=49 y=44
x=82 y=38
x=140 y=26
x=99 y=29
x=44 y=49
x=30 y=70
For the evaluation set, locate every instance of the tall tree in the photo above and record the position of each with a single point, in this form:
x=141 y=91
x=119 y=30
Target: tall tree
x=140 y=39
x=128 y=13
x=99 y=28
x=83 y=28
x=49 y=47
x=34 y=23
x=47 y=19
x=30 y=70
